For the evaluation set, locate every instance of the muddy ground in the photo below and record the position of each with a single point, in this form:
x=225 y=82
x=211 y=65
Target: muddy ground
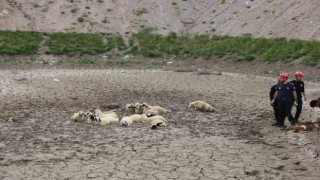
x=38 y=141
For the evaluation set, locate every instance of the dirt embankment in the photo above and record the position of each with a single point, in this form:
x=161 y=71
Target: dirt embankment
x=272 y=18
x=236 y=142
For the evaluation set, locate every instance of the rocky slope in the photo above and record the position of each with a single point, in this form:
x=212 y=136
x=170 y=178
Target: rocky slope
x=269 y=18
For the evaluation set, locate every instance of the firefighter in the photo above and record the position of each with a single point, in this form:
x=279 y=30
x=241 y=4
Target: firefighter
x=299 y=85
x=275 y=103
x=287 y=96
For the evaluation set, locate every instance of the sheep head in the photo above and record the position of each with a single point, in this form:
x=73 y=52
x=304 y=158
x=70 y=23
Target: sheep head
x=158 y=124
x=144 y=105
x=191 y=105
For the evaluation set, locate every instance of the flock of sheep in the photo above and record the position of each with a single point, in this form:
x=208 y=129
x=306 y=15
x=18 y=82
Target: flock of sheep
x=135 y=113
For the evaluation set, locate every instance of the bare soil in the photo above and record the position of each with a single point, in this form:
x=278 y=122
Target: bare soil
x=38 y=141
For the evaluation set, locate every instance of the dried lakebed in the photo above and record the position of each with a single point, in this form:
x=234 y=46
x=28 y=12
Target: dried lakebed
x=37 y=139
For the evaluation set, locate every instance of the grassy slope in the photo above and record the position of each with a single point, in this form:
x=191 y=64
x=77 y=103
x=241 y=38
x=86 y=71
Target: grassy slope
x=154 y=45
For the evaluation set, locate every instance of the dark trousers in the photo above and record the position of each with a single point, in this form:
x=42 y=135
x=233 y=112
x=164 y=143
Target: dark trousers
x=275 y=109
x=284 y=110
x=299 y=109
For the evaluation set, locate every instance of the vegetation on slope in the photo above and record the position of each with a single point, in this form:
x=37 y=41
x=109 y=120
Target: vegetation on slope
x=148 y=44
x=18 y=42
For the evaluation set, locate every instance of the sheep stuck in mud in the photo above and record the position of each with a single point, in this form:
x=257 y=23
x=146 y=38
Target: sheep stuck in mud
x=201 y=106
x=128 y=120
x=129 y=108
x=138 y=108
x=80 y=116
x=103 y=118
x=155 y=110
x=306 y=126
x=154 y=121
x=136 y=113
x=95 y=116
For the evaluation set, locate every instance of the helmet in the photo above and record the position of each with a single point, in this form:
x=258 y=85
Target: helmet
x=299 y=73
x=284 y=75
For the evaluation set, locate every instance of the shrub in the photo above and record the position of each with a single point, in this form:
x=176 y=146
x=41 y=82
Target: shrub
x=71 y=43
x=19 y=42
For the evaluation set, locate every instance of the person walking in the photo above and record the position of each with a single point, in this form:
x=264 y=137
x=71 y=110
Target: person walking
x=299 y=85
x=287 y=96
x=275 y=103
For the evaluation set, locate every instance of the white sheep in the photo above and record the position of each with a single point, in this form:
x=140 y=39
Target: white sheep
x=107 y=120
x=157 y=123
x=160 y=110
x=201 y=106
x=129 y=108
x=103 y=118
x=154 y=121
x=109 y=113
x=80 y=116
x=128 y=120
x=151 y=112
x=138 y=109
x=147 y=120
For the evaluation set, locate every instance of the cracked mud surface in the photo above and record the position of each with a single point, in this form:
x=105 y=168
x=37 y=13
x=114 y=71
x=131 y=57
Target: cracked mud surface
x=38 y=141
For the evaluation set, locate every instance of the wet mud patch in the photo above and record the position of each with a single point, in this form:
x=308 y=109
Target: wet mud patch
x=236 y=141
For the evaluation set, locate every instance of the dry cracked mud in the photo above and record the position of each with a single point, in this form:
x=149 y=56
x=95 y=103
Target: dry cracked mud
x=38 y=141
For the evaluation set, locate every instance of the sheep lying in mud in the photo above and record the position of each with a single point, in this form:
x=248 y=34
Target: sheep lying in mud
x=138 y=108
x=154 y=121
x=129 y=108
x=128 y=120
x=306 y=126
x=201 y=106
x=135 y=108
x=102 y=118
x=80 y=116
x=154 y=110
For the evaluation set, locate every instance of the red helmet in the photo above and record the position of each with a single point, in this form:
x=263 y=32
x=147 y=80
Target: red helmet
x=299 y=73
x=284 y=75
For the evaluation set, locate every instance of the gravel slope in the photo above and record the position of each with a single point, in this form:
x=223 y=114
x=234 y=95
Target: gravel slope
x=269 y=18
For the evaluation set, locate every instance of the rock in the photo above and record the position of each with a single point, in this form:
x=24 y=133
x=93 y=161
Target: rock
x=187 y=20
x=252 y=173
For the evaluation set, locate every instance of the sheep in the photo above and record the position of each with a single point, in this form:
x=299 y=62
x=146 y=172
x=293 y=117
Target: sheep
x=95 y=116
x=157 y=123
x=151 y=112
x=103 y=118
x=154 y=121
x=138 y=109
x=201 y=106
x=129 y=108
x=109 y=113
x=146 y=119
x=107 y=120
x=306 y=126
x=128 y=120
x=80 y=116
x=160 y=110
